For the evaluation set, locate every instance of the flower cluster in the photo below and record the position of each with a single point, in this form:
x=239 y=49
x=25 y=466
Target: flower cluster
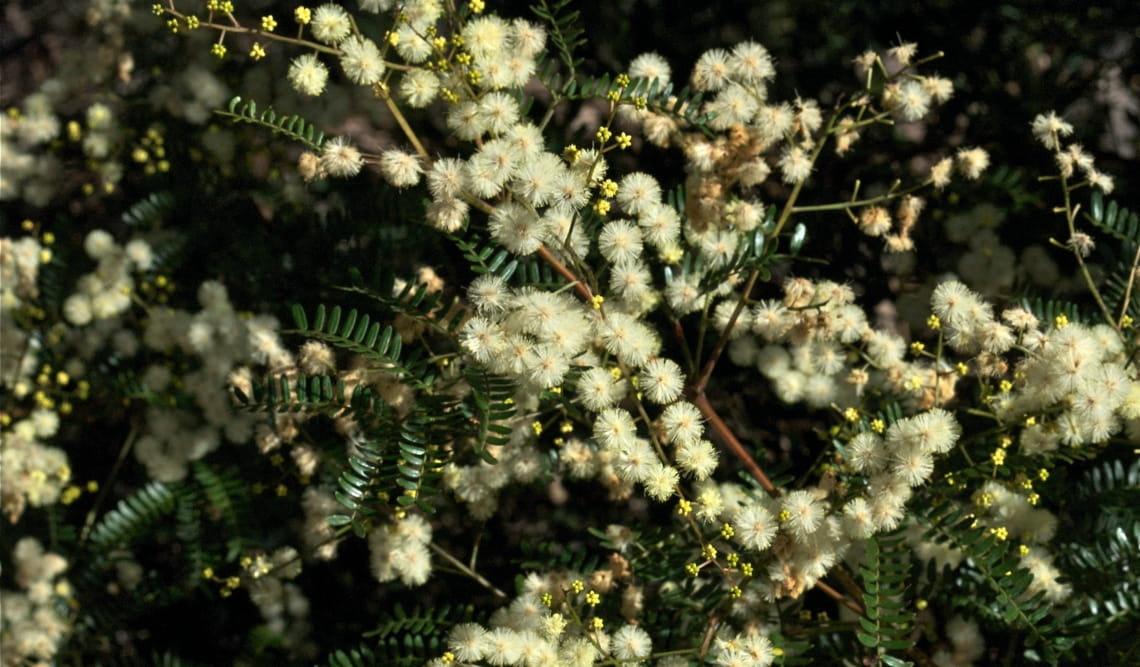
x=401 y=551
x=33 y=472
x=226 y=345
x=282 y=603
x=106 y=292
x=28 y=173
x=33 y=625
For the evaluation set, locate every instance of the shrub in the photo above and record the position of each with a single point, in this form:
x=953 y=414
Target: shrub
x=583 y=366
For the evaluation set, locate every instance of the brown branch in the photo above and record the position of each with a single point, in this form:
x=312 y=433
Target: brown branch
x=702 y=402
x=847 y=582
x=840 y=597
x=714 y=621
x=913 y=653
x=455 y=562
x=580 y=287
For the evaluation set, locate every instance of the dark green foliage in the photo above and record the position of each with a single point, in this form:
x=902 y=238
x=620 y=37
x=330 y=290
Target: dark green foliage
x=132 y=523
x=538 y=274
x=357 y=657
x=415 y=467
x=552 y=557
x=133 y=518
x=1012 y=182
x=293 y=127
x=169 y=252
x=433 y=310
x=993 y=583
x=486 y=256
x=421 y=621
x=565 y=31
x=406 y=650
x=1101 y=556
x=360 y=334
x=396 y=461
x=356 y=488
x=490 y=409
x=1097 y=569
x=1114 y=490
x=150 y=211
x=796 y=650
x=566 y=34
x=129 y=386
x=1113 y=218
x=223 y=496
x=55 y=283
x=190 y=528
x=682 y=104
x=887 y=620
x=303 y=394
x=752 y=254
x=410 y=650
x=1123 y=258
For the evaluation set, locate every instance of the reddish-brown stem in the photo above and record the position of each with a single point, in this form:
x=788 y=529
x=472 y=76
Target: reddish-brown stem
x=580 y=287
x=717 y=424
x=840 y=597
x=702 y=380
x=709 y=634
x=913 y=653
x=846 y=582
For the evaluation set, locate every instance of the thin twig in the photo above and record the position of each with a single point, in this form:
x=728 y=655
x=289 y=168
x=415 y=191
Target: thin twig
x=846 y=205
x=561 y=269
x=1070 y=219
x=382 y=93
x=840 y=597
x=466 y=570
x=1128 y=289
x=107 y=484
x=702 y=380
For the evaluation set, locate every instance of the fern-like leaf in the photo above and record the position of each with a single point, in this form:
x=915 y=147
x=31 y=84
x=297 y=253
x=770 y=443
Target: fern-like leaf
x=751 y=253
x=1113 y=218
x=682 y=105
x=886 y=621
x=150 y=211
x=410 y=649
x=304 y=394
x=551 y=556
x=994 y=567
x=492 y=409
x=417 y=301
x=362 y=656
x=433 y=620
x=565 y=32
x=486 y=257
x=293 y=127
x=133 y=517
x=358 y=333
x=397 y=462
x=357 y=487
